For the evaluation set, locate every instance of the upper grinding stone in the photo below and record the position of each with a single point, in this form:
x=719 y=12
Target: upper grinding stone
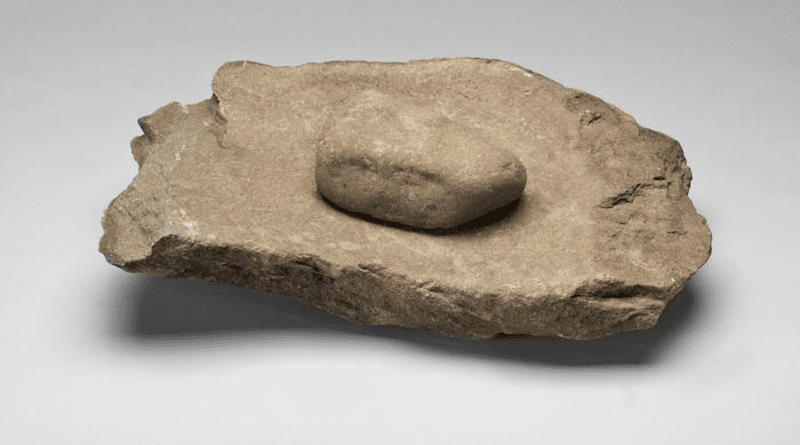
x=406 y=163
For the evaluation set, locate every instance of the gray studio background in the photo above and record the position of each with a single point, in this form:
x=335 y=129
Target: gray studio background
x=92 y=355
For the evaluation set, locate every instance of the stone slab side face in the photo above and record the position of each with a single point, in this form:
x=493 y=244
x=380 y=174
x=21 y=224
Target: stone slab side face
x=603 y=236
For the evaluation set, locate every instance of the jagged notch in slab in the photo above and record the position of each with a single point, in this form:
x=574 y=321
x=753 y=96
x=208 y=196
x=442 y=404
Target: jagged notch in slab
x=602 y=238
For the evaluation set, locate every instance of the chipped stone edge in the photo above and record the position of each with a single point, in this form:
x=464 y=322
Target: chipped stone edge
x=369 y=294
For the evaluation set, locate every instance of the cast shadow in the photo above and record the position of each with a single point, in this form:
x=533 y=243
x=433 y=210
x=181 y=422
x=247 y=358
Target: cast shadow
x=157 y=312
x=481 y=223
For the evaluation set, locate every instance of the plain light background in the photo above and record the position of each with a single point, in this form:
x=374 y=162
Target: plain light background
x=92 y=355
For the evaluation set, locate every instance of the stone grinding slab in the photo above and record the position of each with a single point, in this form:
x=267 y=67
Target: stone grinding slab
x=603 y=237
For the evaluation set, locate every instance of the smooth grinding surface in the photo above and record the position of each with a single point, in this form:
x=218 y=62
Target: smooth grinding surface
x=600 y=240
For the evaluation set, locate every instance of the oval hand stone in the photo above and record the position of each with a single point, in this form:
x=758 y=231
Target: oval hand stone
x=405 y=163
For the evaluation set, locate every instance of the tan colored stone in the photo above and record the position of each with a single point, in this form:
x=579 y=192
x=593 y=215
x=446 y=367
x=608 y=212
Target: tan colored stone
x=410 y=164
x=601 y=239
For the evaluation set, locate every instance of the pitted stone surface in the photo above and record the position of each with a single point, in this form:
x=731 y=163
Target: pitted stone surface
x=602 y=237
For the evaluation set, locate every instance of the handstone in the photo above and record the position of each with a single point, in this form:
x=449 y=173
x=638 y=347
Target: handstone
x=603 y=236
x=409 y=164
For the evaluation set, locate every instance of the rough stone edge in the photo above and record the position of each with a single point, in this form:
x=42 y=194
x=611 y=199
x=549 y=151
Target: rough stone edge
x=371 y=295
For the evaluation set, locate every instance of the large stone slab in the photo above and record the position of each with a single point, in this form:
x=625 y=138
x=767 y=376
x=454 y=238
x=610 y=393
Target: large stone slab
x=602 y=238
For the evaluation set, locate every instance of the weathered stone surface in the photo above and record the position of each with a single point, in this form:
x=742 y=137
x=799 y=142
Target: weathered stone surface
x=410 y=164
x=603 y=236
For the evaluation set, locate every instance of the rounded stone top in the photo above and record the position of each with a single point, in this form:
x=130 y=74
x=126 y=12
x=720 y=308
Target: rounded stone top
x=406 y=163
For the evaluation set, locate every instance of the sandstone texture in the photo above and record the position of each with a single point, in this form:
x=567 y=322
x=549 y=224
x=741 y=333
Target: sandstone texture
x=602 y=237
x=413 y=165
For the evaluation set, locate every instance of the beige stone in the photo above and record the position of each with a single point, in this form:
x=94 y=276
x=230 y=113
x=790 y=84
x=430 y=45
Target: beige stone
x=411 y=164
x=601 y=239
